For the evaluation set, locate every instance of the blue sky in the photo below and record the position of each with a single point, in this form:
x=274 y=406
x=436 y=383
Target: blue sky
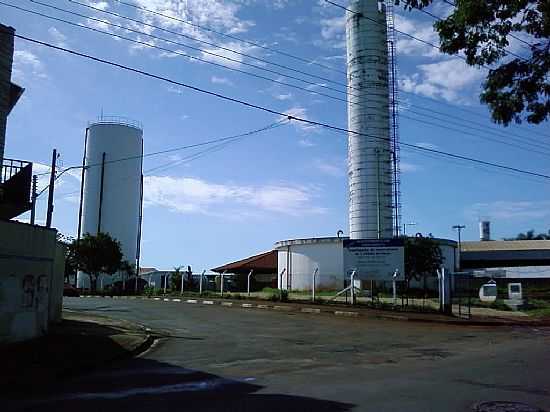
x=285 y=183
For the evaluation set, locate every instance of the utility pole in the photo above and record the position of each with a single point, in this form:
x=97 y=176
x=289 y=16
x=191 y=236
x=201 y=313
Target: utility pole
x=33 y=198
x=459 y=229
x=50 y=191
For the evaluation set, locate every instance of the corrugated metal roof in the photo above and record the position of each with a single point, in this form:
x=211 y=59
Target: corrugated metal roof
x=266 y=261
x=505 y=245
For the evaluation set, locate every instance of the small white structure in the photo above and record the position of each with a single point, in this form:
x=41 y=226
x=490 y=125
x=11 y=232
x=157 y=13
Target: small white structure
x=299 y=258
x=488 y=292
x=113 y=185
x=515 y=291
x=484 y=231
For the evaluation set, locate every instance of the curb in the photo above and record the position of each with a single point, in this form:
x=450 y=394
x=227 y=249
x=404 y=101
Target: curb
x=340 y=312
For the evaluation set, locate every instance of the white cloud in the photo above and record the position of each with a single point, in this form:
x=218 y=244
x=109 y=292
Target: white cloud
x=58 y=38
x=407 y=167
x=334 y=169
x=283 y=96
x=218 y=14
x=300 y=112
x=448 y=79
x=221 y=80
x=419 y=29
x=517 y=210
x=26 y=63
x=427 y=145
x=192 y=195
x=306 y=143
x=333 y=31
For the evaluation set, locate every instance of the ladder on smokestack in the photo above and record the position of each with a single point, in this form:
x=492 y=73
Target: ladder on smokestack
x=394 y=116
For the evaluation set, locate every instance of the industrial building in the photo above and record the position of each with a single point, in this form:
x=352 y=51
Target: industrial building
x=112 y=188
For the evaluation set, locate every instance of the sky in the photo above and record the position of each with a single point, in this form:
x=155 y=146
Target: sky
x=289 y=182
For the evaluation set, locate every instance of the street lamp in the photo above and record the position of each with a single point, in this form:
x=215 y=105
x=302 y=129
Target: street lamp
x=459 y=229
x=405 y=227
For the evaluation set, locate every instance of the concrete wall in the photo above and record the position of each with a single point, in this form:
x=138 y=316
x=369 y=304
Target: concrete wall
x=31 y=280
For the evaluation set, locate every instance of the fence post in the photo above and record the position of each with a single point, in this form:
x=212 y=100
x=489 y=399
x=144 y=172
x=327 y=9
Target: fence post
x=281 y=278
x=200 y=282
x=248 y=282
x=182 y=283
x=313 y=284
x=353 y=287
x=221 y=282
x=165 y=282
x=394 y=285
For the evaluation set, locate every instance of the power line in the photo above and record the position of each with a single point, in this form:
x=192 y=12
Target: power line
x=396 y=30
x=447 y=127
x=208 y=43
x=189 y=56
x=309 y=62
x=508 y=52
x=222 y=140
x=230 y=36
x=509 y=34
x=207 y=52
x=267 y=109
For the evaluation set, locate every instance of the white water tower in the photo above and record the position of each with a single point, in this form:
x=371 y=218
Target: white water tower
x=369 y=154
x=112 y=186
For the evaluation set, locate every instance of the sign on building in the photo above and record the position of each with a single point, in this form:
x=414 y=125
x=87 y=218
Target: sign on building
x=376 y=259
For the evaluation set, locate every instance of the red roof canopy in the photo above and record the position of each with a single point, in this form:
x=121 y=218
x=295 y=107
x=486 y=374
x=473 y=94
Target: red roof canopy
x=263 y=263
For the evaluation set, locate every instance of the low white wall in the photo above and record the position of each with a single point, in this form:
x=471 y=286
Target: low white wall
x=31 y=280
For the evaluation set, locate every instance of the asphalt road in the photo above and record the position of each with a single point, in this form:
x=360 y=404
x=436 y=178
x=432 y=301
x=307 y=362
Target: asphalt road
x=217 y=359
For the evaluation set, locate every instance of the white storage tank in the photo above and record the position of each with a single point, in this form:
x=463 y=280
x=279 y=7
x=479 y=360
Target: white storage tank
x=299 y=258
x=112 y=194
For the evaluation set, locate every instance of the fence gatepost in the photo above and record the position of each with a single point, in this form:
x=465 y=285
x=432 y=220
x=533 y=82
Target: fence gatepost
x=248 y=282
x=221 y=282
x=200 y=284
x=313 y=284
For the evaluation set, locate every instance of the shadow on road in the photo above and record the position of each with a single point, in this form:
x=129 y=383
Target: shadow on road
x=147 y=385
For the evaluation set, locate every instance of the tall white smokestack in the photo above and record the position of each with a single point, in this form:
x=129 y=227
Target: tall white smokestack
x=369 y=156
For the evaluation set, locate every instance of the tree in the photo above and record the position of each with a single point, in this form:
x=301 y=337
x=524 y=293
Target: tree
x=70 y=256
x=517 y=87
x=96 y=255
x=422 y=258
x=530 y=235
x=175 y=278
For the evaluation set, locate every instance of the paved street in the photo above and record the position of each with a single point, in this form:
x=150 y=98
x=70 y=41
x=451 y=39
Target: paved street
x=214 y=358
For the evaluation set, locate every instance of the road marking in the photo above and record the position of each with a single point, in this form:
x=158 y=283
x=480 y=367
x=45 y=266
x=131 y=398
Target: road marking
x=207 y=302
x=311 y=310
x=191 y=301
x=344 y=313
